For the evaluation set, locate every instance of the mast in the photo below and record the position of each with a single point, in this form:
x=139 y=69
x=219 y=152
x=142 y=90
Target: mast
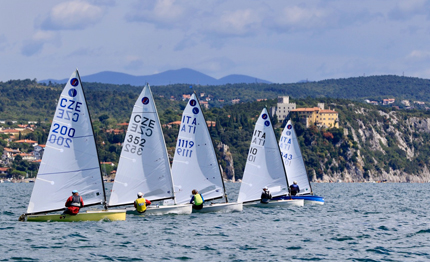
x=164 y=142
x=220 y=172
x=301 y=153
x=283 y=165
x=92 y=128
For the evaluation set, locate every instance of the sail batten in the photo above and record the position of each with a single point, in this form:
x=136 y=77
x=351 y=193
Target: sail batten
x=144 y=164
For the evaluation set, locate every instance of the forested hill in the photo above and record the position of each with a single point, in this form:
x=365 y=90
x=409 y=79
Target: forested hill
x=372 y=143
x=356 y=88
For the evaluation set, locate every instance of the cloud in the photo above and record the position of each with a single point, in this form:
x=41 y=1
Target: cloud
x=406 y=10
x=133 y=63
x=74 y=15
x=36 y=43
x=419 y=55
x=238 y=22
x=164 y=13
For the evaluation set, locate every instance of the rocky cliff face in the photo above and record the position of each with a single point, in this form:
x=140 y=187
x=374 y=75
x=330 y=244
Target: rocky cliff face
x=389 y=147
x=226 y=156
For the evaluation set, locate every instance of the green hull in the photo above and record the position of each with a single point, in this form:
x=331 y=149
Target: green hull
x=88 y=216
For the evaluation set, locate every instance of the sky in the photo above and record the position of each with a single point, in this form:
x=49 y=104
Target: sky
x=275 y=40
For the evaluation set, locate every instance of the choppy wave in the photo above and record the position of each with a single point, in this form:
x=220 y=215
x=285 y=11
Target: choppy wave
x=359 y=222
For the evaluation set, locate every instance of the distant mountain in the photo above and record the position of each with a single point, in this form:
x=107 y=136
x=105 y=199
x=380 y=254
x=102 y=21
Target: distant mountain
x=180 y=76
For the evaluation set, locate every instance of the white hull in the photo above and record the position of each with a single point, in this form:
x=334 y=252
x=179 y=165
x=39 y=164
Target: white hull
x=277 y=203
x=313 y=203
x=221 y=207
x=164 y=210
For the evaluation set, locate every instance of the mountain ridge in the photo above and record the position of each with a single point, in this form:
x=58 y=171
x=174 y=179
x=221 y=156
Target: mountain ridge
x=179 y=76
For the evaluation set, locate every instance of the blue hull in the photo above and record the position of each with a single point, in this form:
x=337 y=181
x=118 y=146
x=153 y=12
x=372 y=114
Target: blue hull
x=307 y=198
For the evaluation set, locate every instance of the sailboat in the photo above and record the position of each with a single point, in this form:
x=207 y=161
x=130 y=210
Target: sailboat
x=195 y=165
x=295 y=166
x=144 y=163
x=264 y=168
x=70 y=162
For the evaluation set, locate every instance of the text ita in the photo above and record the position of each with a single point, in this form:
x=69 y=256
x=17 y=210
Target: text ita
x=189 y=124
x=259 y=138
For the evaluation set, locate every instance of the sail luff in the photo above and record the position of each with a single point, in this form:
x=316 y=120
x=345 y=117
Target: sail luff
x=220 y=171
x=95 y=144
x=167 y=155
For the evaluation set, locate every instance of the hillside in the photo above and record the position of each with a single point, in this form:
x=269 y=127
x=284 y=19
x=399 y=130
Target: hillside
x=374 y=143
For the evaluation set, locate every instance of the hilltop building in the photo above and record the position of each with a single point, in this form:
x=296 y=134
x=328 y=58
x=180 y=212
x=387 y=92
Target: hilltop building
x=318 y=116
x=284 y=107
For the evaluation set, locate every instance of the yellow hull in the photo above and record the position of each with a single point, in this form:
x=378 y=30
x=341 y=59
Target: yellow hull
x=109 y=215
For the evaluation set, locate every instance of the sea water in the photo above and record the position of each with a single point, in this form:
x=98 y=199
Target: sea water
x=359 y=222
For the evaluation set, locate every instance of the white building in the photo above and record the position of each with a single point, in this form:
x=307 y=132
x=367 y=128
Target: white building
x=284 y=107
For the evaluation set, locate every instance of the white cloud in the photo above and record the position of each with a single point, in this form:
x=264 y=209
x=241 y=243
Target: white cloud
x=419 y=55
x=36 y=43
x=74 y=15
x=133 y=63
x=161 y=13
x=236 y=23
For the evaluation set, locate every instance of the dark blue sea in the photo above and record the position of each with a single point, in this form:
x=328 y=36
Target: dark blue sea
x=359 y=222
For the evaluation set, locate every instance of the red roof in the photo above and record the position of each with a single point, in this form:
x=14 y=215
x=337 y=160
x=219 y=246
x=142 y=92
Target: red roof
x=26 y=141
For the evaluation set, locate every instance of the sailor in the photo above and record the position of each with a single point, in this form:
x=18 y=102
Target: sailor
x=265 y=196
x=141 y=203
x=73 y=203
x=197 y=200
x=294 y=188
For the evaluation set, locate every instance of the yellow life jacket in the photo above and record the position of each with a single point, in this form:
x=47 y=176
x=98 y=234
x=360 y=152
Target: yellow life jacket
x=140 y=205
x=198 y=199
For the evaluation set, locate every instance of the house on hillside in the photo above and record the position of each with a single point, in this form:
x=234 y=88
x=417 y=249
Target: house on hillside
x=318 y=116
x=388 y=101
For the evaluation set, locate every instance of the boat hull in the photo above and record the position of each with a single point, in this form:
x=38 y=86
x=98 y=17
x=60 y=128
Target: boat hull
x=309 y=199
x=105 y=215
x=278 y=203
x=220 y=207
x=163 y=210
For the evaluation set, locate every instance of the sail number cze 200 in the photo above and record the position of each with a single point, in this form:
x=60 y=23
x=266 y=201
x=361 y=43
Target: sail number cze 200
x=61 y=134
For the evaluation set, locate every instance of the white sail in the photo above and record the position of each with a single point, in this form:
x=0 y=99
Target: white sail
x=70 y=160
x=264 y=164
x=195 y=165
x=144 y=163
x=293 y=160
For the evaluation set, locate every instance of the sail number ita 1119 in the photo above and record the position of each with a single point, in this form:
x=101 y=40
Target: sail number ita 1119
x=184 y=147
